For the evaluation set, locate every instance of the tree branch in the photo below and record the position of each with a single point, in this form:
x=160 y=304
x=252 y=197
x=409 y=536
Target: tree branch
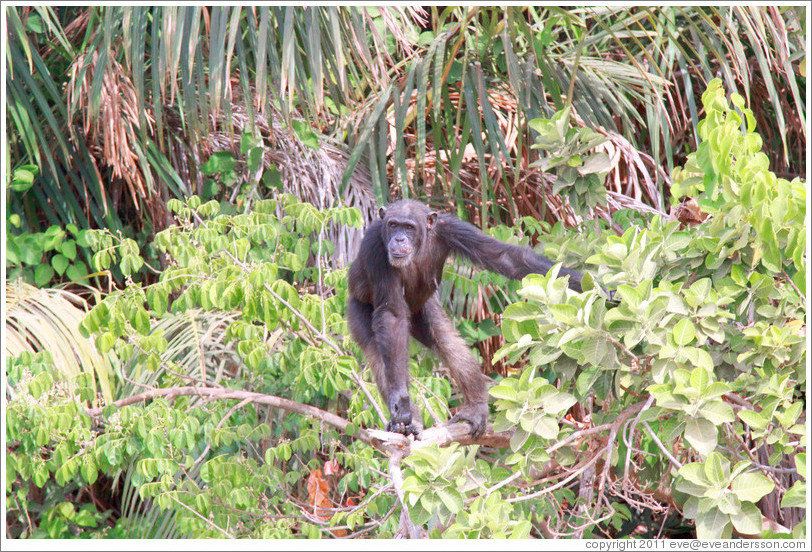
x=385 y=441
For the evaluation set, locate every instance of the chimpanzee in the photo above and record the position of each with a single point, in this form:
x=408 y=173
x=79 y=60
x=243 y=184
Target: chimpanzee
x=392 y=294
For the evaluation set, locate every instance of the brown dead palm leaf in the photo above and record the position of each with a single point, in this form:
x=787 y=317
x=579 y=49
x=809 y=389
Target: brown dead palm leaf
x=110 y=130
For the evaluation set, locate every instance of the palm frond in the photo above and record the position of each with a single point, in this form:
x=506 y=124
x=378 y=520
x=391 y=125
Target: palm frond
x=48 y=320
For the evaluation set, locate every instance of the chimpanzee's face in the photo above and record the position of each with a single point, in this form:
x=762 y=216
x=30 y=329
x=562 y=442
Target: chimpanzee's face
x=404 y=232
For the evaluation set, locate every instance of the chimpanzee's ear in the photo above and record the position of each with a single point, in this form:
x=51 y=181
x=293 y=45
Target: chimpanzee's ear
x=430 y=220
x=381 y=212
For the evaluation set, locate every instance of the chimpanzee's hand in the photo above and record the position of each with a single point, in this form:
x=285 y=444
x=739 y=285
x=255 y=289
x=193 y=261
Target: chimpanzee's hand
x=400 y=409
x=474 y=414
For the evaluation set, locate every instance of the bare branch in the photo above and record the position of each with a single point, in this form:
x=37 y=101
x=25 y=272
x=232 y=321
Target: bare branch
x=385 y=441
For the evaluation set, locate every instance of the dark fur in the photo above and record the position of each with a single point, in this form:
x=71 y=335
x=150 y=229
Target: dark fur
x=392 y=285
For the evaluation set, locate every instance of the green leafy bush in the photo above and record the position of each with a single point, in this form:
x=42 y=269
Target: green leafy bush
x=42 y=257
x=705 y=350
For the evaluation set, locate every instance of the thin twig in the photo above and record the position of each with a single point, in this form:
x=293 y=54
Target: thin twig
x=664 y=450
x=219 y=425
x=210 y=522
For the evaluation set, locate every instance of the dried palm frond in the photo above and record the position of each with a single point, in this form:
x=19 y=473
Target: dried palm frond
x=112 y=128
x=197 y=351
x=48 y=320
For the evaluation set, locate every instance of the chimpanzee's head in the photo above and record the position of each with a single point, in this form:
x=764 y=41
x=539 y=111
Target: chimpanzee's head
x=406 y=225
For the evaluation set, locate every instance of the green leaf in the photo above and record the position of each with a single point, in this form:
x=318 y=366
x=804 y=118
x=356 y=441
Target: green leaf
x=800 y=464
x=22 y=180
x=546 y=427
x=518 y=439
x=699 y=379
x=69 y=249
x=77 y=271
x=505 y=392
x=43 y=274
x=728 y=503
x=158 y=299
x=89 y=471
x=748 y=520
x=684 y=332
x=105 y=342
x=795 y=496
x=717 y=412
x=691 y=507
x=752 y=486
x=60 y=263
x=255 y=158
x=248 y=141
x=141 y=321
x=559 y=402
x=695 y=473
x=701 y=434
x=451 y=498
x=714 y=470
x=219 y=162
x=713 y=524
x=753 y=419
x=305 y=134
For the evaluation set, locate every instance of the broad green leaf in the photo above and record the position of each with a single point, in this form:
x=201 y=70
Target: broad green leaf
x=521 y=530
x=728 y=503
x=684 y=332
x=671 y=401
x=694 y=472
x=248 y=141
x=518 y=439
x=503 y=391
x=219 y=162
x=701 y=434
x=752 y=486
x=717 y=412
x=753 y=419
x=60 y=263
x=795 y=497
x=546 y=427
x=558 y=403
x=800 y=464
x=748 y=520
x=69 y=249
x=714 y=470
x=587 y=379
x=715 y=390
x=698 y=357
x=691 y=507
x=691 y=487
x=43 y=274
x=306 y=134
x=255 y=158
x=412 y=485
x=22 y=180
x=596 y=351
x=451 y=498
x=713 y=525
x=699 y=379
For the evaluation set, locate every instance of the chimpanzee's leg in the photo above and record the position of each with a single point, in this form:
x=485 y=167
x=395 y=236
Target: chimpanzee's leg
x=446 y=341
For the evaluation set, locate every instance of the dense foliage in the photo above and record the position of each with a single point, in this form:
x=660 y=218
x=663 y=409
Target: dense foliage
x=242 y=410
